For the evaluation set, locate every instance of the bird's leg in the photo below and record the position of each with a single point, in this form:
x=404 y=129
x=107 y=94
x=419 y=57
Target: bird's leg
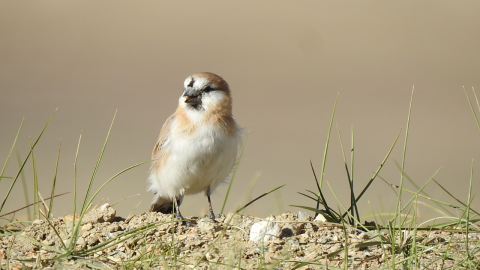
x=211 y=215
x=178 y=215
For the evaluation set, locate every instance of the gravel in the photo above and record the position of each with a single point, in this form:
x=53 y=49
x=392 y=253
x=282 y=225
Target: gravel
x=243 y=241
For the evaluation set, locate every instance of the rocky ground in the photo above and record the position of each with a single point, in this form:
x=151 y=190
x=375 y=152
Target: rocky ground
x=153 y=241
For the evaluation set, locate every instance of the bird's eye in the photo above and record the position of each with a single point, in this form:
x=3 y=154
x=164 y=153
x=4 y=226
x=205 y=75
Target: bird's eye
x=207 y=89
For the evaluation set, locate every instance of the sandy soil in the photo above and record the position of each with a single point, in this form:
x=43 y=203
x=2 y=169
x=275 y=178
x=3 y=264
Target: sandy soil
x=229 y=242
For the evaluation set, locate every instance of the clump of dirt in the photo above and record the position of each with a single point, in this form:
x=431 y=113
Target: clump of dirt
x=153 y=240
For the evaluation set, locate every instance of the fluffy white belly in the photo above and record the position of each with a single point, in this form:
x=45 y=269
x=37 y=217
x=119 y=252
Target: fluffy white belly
x=197 y=164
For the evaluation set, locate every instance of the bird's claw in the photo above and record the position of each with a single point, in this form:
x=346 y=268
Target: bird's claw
x=213 y=216
x=184 y=221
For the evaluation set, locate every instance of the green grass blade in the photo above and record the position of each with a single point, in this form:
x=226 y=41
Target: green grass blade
x=350 y=184
x=301 y=264
x=221 y=235
x=123 y=237
x=469 y=200
x=115 y=176
x=56 y=232
x=341 y=218
x=378 y=170
x=353 y=204
x=308 y=196
x=476 y=98
x=24 y=162
x=36 y=198
x=28 y=205
x=85 y=204
x=313 y=193
x=319 y=184
x=74 y=236
x=54 y=182
x=352 y=165
x=345 y=237
x=33 y=241
x=328 y=217
x=258 y=198
x=24 y=186
x=410 y=180
x=420 y=190
x=10 y=152
x=321 y=198
x=399 y=197
x=471 y=107
x=455 y=198
x=438 y=202
x=76 y=227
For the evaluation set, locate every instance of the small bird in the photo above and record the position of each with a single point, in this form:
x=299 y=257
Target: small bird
x=197 y=145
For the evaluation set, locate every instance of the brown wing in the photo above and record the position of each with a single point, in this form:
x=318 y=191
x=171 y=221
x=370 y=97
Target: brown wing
x=164 y=133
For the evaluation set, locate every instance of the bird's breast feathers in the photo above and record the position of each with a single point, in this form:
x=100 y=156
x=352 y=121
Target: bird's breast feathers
x=193 y=157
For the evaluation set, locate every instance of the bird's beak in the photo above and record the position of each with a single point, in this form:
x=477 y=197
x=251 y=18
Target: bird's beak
x=192 y=97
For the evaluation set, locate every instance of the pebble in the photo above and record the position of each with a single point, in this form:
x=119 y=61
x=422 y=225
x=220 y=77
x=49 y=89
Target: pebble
x=206 y=225
x=245 y=238
x=264 y=230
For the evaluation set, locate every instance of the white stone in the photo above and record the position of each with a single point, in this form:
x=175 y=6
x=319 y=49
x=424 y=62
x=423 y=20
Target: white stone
x=303 y=216
x=266 y=230
x=320 y=218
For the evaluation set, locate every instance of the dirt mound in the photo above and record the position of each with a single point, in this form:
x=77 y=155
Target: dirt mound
x=152 y=240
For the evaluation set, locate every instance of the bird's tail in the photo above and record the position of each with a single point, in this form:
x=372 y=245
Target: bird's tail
x=163 y=205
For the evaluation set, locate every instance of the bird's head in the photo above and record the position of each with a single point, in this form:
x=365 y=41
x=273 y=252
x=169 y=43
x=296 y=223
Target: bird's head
x=205 y=91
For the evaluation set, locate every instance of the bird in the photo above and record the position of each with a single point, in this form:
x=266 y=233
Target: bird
x=197 y=146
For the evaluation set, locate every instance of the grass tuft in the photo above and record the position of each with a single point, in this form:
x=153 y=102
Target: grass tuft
x=399 y=238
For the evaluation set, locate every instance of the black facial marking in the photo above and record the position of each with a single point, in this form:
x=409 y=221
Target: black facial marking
x=207 y=89
x=190 y=84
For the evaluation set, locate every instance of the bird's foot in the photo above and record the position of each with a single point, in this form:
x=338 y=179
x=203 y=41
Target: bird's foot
x=180 y=219
x=213 y=216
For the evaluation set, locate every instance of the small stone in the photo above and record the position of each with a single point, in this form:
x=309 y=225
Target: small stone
x=293 y=243
x=302 y=216
x=265 y=230
x=277 y=242
x=320 y=218
x=233 y=219
x=303 y=239
x=325 y=240
x=287 y=230
x=87 y=227
x=48 y=242
x=359 y=255
x=37 y=222
x=335 y=247
x=209 y=256
x=300 y=229
x=104 y=213
x=258 y=249
x=115 y=259
x=364 y=236
x=113 y=228
x=312 y=255
x=92 y=240
x=206 y=225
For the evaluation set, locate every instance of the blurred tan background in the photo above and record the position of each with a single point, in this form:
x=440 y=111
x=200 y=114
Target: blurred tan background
x=285 y=62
